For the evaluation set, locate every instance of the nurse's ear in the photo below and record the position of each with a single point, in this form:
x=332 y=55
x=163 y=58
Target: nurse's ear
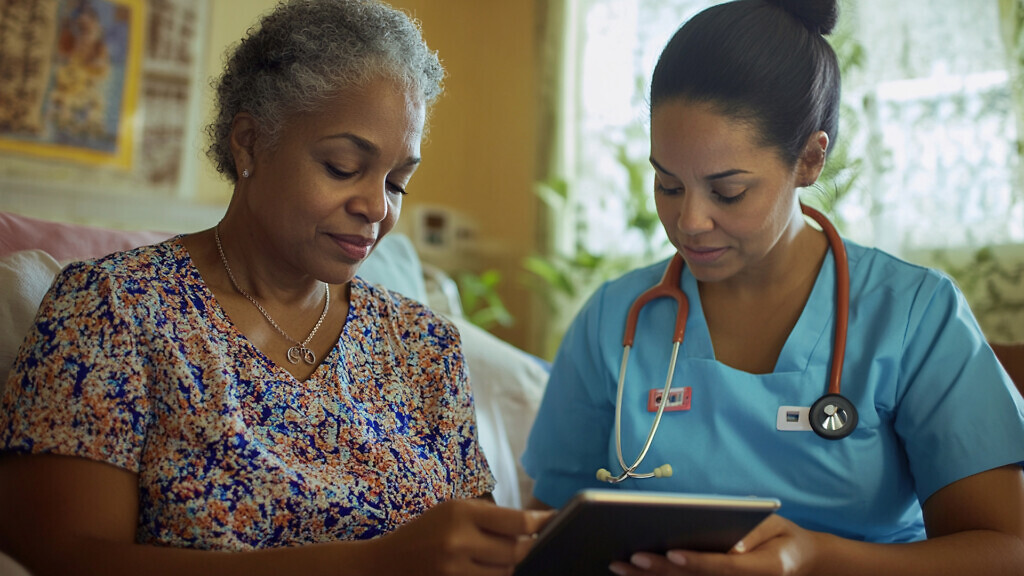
x=812 y=160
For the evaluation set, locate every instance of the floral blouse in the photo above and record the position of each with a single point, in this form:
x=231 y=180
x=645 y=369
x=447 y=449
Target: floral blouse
x=133 y=362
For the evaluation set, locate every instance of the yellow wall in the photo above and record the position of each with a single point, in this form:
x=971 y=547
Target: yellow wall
x=478 y=156
x=228 y=21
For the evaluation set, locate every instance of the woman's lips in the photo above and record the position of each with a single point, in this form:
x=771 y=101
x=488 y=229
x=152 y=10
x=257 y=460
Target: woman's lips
x=700 y=255
x=355 y=247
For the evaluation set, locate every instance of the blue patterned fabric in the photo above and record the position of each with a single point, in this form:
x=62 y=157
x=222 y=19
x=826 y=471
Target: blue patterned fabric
x=133 y=362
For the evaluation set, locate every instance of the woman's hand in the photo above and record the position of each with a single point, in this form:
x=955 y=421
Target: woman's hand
x=776 y=547
x=459 y=537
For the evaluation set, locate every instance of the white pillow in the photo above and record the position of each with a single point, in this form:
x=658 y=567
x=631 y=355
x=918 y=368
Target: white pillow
x=395 y=265
x=25 y=277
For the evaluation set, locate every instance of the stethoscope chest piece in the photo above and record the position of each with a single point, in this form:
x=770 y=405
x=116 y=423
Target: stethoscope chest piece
x=833 y=417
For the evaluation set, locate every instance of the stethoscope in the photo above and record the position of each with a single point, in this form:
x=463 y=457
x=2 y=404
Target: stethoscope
x=832 y=416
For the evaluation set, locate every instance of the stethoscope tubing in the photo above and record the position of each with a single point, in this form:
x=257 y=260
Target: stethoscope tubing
x=668 y=287
x=842 y=297
x=629 y=472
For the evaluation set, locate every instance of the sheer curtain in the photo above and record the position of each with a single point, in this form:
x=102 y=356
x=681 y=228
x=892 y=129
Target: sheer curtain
x=936 y=99
x=929 y=123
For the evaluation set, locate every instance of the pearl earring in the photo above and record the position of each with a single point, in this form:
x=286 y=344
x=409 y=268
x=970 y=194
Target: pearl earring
x=245 y=173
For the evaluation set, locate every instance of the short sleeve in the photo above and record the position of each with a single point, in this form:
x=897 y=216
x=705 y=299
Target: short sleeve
x=474 y=474
x=78 y=385
x=569 y=440
x=447 y=400
x=958 y=412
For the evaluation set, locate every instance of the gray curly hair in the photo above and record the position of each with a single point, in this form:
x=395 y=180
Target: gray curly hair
x=306 y=51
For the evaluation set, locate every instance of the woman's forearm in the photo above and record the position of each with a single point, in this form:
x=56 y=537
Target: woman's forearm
x=86 y=557
x=457 y=536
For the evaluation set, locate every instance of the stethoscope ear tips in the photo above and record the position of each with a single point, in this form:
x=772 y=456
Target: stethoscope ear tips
x=833 y=417
x=663 y=471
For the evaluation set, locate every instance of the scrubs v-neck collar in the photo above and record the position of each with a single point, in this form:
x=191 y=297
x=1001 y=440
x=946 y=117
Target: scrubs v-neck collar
x=814 y=324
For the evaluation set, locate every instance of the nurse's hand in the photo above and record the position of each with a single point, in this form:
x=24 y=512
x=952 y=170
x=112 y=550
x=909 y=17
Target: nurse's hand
x=776 y=547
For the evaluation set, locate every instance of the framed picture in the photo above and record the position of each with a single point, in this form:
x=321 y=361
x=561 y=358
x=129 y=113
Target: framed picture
x=99 y=104
x=71 y=79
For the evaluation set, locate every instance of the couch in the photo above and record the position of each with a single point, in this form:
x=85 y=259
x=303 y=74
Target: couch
x=507 y=382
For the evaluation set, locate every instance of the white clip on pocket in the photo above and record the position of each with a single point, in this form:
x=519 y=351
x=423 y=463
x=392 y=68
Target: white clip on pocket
x=793 y=419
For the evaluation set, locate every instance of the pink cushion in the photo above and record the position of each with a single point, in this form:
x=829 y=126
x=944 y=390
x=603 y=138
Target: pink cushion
x=68 y=241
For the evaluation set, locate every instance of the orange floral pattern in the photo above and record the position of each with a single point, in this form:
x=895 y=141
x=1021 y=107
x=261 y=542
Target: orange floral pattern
x=132 y=362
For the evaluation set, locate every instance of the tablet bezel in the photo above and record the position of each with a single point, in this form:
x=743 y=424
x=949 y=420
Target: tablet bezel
x=598 y=526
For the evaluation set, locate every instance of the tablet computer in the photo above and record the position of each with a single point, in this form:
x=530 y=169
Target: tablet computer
x=597 y=527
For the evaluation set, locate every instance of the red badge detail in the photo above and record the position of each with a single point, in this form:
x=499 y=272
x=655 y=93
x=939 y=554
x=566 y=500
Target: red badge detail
x=678 y=399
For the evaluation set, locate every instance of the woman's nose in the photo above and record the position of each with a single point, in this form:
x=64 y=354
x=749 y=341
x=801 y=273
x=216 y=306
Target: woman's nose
x=370 y=201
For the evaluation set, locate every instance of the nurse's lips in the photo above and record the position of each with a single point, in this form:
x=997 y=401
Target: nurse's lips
x=354 y=246
x=702 y=255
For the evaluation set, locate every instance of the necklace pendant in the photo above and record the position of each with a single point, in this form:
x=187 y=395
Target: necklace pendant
x=299 y=352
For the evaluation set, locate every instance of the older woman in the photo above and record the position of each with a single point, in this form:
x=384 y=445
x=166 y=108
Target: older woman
x=241 y=389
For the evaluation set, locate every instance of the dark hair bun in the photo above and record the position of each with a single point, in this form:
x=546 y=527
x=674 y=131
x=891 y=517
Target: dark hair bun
x=817 y=15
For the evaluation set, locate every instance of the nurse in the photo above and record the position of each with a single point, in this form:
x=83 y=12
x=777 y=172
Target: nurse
x=744 y=107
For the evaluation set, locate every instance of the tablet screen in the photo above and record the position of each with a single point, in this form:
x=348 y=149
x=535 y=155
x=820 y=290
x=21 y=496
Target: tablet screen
x=597 y=527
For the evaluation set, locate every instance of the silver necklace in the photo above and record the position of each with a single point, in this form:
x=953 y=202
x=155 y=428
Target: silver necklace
x=300 y=349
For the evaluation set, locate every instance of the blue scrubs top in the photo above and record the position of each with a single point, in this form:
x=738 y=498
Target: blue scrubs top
x=934 y=403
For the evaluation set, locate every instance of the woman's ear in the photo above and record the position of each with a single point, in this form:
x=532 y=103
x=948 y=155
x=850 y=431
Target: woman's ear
x=244 y=130
x=812 y=160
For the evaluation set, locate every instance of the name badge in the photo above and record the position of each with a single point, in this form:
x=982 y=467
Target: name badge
x=793 y=418
x=678 y=399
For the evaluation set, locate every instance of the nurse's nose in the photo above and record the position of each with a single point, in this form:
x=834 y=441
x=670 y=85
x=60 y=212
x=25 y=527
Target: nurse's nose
x=694 y=213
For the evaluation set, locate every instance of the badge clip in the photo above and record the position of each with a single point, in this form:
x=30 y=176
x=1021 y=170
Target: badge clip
x=793 y=418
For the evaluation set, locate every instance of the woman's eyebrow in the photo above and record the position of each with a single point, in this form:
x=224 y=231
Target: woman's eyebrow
x=726 y=174
x=368 y=146
x=660 y=168
x=715 y=176
x=360 y=142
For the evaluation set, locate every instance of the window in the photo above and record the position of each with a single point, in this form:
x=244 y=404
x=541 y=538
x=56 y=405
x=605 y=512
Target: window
x=929 y=117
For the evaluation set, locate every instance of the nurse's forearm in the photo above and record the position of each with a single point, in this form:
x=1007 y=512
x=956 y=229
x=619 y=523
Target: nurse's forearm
x=971 y=552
